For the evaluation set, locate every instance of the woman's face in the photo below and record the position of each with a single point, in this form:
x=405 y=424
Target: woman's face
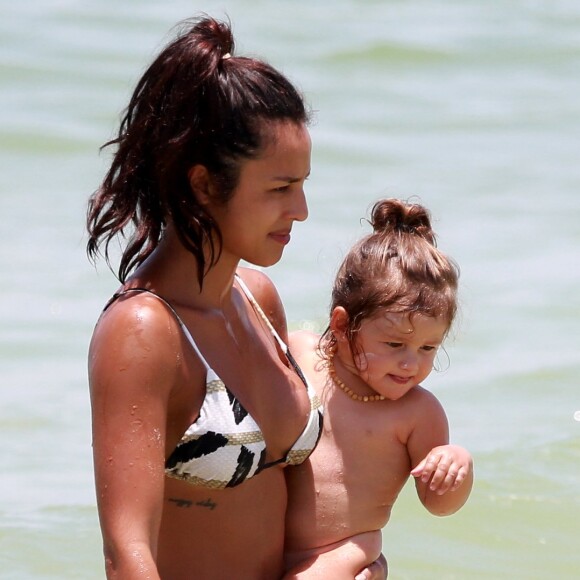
x=257 y=220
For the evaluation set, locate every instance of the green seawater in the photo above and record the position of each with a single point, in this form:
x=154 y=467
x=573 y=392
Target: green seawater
x=472 y=107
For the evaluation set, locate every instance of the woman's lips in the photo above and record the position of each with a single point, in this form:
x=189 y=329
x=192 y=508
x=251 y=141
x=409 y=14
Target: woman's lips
x=281 y=237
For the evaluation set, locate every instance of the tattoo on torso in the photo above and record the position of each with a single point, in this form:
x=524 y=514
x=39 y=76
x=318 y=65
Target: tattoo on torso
x=187 y=503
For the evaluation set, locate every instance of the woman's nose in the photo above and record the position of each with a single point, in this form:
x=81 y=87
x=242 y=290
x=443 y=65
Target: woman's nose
x=300 y=206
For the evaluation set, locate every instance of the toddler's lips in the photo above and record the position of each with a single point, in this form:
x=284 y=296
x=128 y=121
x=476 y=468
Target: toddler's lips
x=400 y=380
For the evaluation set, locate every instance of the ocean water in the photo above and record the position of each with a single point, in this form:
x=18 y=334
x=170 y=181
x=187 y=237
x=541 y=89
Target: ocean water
x=470 y=107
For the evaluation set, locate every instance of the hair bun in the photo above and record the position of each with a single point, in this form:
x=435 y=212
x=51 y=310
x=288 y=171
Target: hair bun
x=396 y=216
x=214 y=37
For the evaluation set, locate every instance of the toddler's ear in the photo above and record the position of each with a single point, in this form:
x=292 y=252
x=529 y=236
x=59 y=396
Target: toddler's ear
x=339 y=323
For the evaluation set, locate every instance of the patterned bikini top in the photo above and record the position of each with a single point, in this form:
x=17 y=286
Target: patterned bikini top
x=225 y=445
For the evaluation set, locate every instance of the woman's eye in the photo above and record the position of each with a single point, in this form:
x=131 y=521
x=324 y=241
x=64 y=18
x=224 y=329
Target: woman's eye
x=282 y=188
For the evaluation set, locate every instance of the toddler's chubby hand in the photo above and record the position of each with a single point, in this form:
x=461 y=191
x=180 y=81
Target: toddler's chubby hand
x=446 y=466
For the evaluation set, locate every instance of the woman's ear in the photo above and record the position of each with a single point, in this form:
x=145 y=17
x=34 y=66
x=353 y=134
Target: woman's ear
x=339 y=323
x=200 y=183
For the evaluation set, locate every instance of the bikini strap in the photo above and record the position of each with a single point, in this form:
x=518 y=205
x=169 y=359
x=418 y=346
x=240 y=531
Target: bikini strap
x=174 y=312
x=260 y=312
x=282 y=344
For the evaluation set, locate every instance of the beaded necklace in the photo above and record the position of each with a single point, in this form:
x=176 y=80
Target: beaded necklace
x=337 y=381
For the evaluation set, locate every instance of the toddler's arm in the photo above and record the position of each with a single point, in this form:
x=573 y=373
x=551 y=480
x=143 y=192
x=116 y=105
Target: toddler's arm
x=443 y=473
x=444 y=479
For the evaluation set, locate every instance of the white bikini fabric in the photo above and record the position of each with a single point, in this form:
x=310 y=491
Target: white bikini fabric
x=225 y=446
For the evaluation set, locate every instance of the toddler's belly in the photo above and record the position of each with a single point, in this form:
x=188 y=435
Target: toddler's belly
x=342 y=559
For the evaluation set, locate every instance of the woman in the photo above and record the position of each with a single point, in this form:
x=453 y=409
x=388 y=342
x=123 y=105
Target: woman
x=196 y=404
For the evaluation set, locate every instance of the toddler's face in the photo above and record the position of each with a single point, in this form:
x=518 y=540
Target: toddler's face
x=395 y=351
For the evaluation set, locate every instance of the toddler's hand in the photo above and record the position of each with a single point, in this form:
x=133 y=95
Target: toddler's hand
x=446 y=466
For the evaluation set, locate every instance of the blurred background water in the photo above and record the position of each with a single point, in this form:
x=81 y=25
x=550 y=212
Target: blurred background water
x=470 y=106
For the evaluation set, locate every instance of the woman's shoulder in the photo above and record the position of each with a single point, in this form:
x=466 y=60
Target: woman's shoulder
x=258 y=282
x=136 y=306
x=136 y=321
x=136 y=351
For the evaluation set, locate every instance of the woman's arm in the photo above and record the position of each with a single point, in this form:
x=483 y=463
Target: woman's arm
x=443 y=472
x=131 y=371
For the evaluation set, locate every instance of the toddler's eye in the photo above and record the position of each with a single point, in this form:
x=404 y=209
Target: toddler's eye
x=394 y=344
x=429 y=348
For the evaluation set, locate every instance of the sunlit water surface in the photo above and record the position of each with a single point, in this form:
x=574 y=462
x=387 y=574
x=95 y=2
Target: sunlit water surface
x=470 y=106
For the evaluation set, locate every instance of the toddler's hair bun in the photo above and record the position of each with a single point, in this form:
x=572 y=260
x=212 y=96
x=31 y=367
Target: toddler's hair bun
x=396 y=216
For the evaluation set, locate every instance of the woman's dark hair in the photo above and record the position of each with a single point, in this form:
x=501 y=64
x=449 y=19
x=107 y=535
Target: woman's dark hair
x=197 y=103
x=397 y=267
